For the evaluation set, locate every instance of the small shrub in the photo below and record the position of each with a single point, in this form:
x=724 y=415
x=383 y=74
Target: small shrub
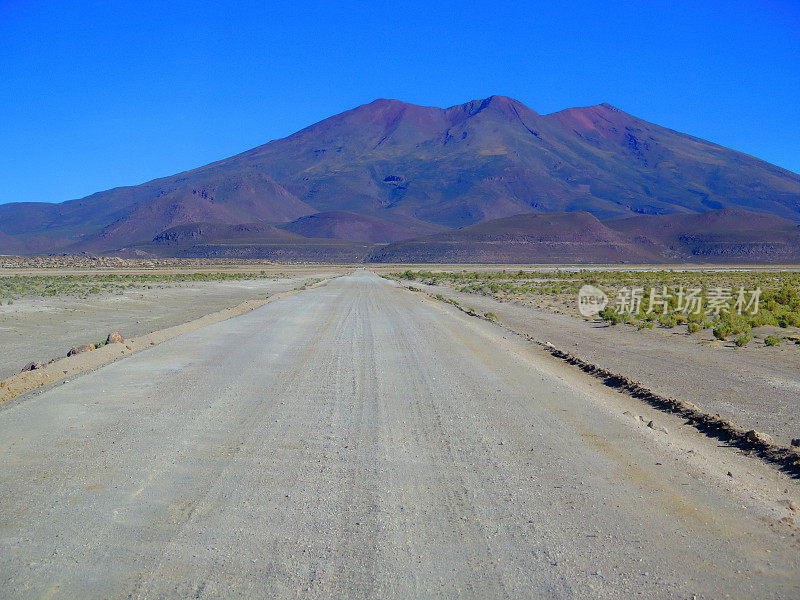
x=694 y=327
x=490 y=315
x=611 y=316
x=772 y=340
x=723 y=332
x=695 y=317
x=667 y=321
x=743 y=339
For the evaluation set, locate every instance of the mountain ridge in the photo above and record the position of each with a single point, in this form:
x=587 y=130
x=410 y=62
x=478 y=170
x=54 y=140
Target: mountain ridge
x=422 y=170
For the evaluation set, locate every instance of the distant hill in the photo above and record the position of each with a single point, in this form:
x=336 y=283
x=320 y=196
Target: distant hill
x=728 y=235
x=722 y=236
x=348 y=226
x=575 y=237
x=253 y=240
x=388 y=171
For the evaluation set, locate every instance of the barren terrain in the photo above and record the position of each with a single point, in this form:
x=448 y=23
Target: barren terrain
x=41 y=328
x=755 y=386
x=358 y=440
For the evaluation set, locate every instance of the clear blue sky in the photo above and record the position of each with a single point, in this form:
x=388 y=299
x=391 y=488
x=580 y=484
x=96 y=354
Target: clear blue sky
x=95 y=95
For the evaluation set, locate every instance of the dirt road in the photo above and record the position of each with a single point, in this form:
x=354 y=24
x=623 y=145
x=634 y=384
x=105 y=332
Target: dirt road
x=357 y=440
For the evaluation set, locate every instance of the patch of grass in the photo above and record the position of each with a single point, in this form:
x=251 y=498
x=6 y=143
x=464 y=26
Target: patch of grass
x=773 y=340
x=490 y=315
x=694 y=327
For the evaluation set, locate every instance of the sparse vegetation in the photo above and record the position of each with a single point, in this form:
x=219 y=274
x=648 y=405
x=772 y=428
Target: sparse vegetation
x=722 y=332
x=18 y=286
x=743 y=339
x=307 y=283
x=772 y=340
x=609 y=315
x=779 y=303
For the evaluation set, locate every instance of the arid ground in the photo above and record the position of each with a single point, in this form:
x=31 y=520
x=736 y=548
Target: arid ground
x=357 y=439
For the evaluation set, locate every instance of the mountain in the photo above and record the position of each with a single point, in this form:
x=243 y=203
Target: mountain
x=717 y=236
x=574 y=237
x=348 y=226
x=727 y=235
x=252 y=240
x=389 y=170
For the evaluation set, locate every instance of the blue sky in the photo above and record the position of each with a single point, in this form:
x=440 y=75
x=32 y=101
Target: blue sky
x=95 y=95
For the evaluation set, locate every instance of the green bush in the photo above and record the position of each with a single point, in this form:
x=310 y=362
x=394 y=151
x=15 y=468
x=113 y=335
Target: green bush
x=694 y=327
x=611 y=316
x=490 y=315
x=743 y=339
x=667 y=320
x=723 y=332
x=772 y=340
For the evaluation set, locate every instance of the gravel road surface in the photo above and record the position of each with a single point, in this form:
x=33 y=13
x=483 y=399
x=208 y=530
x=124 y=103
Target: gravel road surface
x=358 y=440
x=756 y=387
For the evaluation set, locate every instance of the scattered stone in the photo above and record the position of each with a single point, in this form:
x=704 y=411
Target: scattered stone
x=796 y=442
x=793 y=506
x=80 y=349
x=730 y=474
x=33 y=366
x=652 y=425
x=754 y=437
x=114 y=338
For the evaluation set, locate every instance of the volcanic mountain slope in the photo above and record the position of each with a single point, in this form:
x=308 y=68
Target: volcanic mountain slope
x=124 y=216
x=723 y=236
x=348 y=226
x=728 y=235
x=574 y=237
x=423 y=170
x=252 y=240
x=496 y=157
